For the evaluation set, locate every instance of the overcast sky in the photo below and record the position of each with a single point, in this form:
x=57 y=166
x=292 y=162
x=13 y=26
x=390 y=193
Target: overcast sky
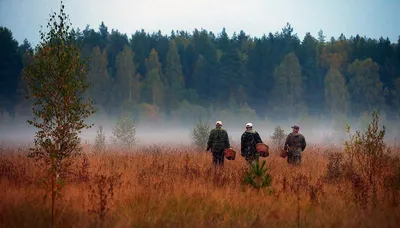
x=372 y=18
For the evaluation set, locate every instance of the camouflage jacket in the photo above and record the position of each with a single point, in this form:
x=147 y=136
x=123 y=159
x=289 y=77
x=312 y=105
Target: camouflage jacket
x=218 y=139
x=295 y=140
x=249 y=140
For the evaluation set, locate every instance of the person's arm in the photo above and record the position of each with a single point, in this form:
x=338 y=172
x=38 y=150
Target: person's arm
x=303 y=139
x=257 y=138
x=242 y=145
x=227 y=144
x=286 y=143
x=210 y=138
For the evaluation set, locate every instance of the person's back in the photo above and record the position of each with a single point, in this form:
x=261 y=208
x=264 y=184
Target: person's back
x=296 y=140
x=218 y=141
x=249 y=140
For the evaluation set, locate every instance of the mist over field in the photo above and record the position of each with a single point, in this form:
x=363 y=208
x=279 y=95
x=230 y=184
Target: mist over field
x=316 y=130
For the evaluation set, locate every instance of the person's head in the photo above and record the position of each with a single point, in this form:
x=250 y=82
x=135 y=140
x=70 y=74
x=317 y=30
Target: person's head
x=218 y=124
x=295 y=128
x=249 y=126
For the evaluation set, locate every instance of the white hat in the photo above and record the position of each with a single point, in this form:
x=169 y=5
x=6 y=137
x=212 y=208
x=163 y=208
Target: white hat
x=218 y=123
x=249 y=125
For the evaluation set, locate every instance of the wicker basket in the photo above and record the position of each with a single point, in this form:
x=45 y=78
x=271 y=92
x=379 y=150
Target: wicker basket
x=263 y=149
x=230 y=154
x=283 y=153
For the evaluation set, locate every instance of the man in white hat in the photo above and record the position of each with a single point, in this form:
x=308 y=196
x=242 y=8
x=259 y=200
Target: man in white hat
x=218 y=141
x=249 y=140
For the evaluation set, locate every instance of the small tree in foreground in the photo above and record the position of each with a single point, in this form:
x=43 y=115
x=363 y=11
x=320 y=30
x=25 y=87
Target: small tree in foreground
x=367 y=155
x=200 y=133
x=56 y=82
x=257 y=175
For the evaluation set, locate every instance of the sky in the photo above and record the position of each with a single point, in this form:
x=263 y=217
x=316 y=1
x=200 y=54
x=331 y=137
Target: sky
x=371 y=18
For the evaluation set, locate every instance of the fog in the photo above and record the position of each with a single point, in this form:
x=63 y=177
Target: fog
x=316 y=130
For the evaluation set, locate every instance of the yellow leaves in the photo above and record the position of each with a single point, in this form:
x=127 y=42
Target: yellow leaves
x=153 y=61
x=335 y=60
x=335 y=54
x=336 y=93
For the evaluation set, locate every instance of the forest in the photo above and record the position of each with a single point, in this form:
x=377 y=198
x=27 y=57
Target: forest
x=185 y=75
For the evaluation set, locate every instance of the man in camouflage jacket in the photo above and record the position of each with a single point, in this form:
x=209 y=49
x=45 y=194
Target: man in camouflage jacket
x=295 y=145
x=249 y=140
x=218 y=141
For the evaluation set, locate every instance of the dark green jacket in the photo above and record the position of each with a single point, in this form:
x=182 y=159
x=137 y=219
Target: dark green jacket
x=218 y=139
x=296 y=140
x=248 y=143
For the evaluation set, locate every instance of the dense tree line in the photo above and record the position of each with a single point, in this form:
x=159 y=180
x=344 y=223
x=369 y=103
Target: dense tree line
x=184 y=75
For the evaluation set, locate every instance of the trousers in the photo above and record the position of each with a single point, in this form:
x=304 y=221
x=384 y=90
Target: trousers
x=294 y=156
x=218 y=156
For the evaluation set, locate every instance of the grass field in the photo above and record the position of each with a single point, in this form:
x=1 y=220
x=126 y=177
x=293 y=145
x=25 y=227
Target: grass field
x=159 y=186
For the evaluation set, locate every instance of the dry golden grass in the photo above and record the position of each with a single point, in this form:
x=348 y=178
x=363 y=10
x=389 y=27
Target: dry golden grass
x=178 y=187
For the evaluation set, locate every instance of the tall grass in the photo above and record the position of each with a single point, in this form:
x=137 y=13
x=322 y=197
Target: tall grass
x=178 y=187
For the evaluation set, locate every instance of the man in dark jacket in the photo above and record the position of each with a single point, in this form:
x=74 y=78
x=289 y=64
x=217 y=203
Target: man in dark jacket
x=249 y=140
x=218 y=141
x=295 y=145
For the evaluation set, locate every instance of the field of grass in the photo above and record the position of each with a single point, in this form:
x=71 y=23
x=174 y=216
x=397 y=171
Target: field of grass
x=161 y=186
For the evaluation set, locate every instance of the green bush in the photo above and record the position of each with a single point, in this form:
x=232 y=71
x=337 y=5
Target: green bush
x=257 y=176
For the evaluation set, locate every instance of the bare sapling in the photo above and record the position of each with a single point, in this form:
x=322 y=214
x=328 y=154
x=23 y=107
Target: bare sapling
x=102 y=192
x=366 y=156
x=100 y=141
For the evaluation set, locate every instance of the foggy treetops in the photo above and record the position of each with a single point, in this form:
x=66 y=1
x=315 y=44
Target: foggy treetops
x=183 y=76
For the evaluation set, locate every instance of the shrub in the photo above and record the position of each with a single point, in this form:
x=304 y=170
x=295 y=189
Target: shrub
x=257 y=176
x=124 y=133
x=367 y=155
x=200 y=134
x=279 y=137
x=334 y=168
x=101 y=193
x=100 y=141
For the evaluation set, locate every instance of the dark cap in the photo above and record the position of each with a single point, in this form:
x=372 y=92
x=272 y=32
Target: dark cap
x=296 y=127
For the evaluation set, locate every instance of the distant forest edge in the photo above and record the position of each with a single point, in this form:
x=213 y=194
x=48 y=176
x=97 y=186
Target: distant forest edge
x=183 y=76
